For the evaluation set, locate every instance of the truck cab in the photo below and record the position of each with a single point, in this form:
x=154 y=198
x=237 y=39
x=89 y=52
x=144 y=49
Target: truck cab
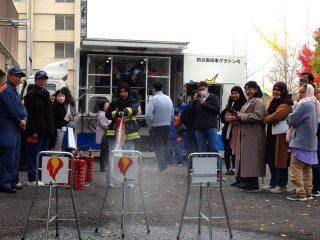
x=57 y=73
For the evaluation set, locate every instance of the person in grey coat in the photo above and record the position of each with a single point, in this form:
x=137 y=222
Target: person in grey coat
x=303 y=144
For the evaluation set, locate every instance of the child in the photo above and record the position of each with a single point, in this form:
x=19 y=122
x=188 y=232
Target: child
x=176 y=139
x=101 y=137
x=59 y=114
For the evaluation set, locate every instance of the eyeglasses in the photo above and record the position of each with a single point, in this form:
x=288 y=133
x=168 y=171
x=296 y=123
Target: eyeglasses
x=249 y=89
x=303 y=81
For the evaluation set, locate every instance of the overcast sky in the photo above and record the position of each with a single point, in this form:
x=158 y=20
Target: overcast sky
x=211 y=26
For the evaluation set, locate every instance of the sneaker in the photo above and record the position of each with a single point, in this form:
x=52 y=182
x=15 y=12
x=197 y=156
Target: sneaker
x=267 y=188
x=309 y=197
x=18 y=186
x=316 y=193
x=40 y=184
x=223 y=179
x=180 y=165
x=130 y=185
x=8 y=190
x=296 y=197
x=250 y=188
x=279 y=189
x=111 y=185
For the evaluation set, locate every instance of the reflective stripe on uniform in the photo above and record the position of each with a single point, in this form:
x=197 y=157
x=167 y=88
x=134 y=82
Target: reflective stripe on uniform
x=132 y=136
x=128 y=118
x=3 y=87
x=113 y=114
x=129 y=111
x=111 y=132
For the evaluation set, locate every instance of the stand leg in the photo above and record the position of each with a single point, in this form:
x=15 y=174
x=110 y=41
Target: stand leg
x=226 y=211
x=123 y=206
x=75 y=212
x=29 y=213
x=48 y=213
x=209 y=210
x=183 y=211
x=144 y=209
x=101 y=209
x=57 y=211
x=199 y=213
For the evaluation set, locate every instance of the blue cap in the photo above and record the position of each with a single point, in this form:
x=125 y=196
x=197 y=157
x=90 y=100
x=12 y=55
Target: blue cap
x=41 y=74
x=16 y=71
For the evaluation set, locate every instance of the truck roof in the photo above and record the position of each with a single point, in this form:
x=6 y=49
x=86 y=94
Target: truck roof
x=125 y=45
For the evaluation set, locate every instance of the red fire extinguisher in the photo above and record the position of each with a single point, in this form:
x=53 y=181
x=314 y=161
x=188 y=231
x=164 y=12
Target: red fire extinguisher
x=120 y=133
x=78 y=174
x=90 y=167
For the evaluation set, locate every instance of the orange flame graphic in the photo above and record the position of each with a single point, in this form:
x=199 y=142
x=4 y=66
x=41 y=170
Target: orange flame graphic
x=124 y=164
x=53 y=166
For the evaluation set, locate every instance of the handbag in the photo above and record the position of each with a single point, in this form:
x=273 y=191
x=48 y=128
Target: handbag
x=71 y=141
x=280 y=127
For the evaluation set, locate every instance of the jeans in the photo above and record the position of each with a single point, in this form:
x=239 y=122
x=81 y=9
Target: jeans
x=175 y=149
x=32 y=150
x=207 y=140
x=159 y=138
x=191 y=142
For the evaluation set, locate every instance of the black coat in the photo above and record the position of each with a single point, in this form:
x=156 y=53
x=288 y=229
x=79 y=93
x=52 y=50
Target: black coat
x=206 y=115
x=40 y=117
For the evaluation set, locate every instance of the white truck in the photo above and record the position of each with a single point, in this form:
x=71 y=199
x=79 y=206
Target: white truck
x=57 y=73
x=103 y=63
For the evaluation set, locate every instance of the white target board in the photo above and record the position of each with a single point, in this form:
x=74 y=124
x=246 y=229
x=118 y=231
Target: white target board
x=124 y=167
x=204 y=169
x=55 y=169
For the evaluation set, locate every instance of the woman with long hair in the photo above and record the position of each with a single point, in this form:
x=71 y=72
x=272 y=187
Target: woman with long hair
x=237 y=100
x=250 y=163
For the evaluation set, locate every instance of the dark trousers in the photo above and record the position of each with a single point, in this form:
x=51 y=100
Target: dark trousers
x=227 y=154
x=9 y=163
x=104 y=153
x=250 y=181
x=159 y=139
x=32 y=150
x=316 y=172
x=279 y=176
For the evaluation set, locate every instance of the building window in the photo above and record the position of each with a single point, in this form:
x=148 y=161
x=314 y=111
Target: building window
x=64 y=22
x=67 y=1
x=64 y=50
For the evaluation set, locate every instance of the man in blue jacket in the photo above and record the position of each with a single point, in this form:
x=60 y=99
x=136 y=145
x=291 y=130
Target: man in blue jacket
x=13 y=118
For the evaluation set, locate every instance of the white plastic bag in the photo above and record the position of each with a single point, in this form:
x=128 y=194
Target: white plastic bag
x=71 y=140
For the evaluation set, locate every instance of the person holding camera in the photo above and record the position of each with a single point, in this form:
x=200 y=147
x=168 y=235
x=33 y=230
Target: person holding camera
x=205 y=110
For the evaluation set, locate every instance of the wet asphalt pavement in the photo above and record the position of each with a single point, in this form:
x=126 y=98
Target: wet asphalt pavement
x=253 y=215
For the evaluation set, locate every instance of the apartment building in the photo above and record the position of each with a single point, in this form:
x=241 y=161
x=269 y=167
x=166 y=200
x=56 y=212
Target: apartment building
x=8 y=38
x=55 y=27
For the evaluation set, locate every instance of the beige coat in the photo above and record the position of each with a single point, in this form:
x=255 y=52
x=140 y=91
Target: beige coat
x=251 y=140
x=281 y=145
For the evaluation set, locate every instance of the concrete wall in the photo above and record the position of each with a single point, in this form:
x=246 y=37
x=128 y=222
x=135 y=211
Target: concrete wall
x=42 y=17
x=8 y=36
